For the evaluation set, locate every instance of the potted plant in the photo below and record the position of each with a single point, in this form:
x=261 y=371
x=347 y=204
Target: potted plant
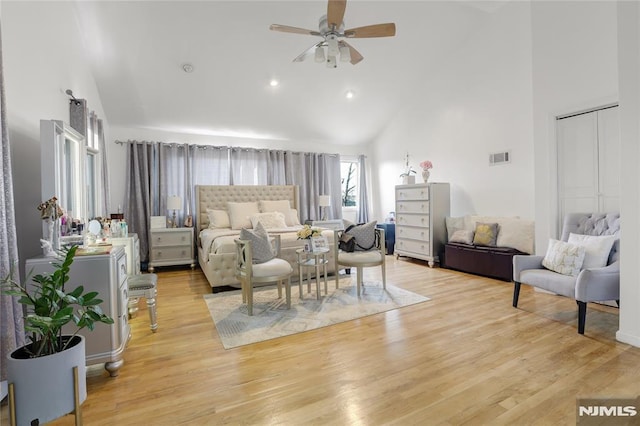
x=407 y=178
x=42 y=371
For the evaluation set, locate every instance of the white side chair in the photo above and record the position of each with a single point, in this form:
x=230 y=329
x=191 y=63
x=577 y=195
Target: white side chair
x=145 y=285
x=275 y=270
x=361 y=259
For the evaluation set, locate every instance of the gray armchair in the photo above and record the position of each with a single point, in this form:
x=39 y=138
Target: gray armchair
x=591 y=284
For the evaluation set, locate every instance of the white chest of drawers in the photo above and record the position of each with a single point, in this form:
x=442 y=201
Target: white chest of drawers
x=171 y=246
x=420 y=220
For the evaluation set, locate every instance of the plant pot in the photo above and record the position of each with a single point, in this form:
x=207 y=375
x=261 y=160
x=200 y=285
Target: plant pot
x=408 y=180
x=44 y=387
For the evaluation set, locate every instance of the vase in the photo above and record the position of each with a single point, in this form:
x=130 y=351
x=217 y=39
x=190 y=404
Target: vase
x=44 y=386
x=425 y=175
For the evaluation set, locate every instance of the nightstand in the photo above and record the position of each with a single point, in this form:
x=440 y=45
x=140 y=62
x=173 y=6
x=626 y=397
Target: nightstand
x=171 y=246
x=334 y=224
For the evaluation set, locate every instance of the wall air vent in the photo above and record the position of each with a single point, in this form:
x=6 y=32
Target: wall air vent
x=499 y=158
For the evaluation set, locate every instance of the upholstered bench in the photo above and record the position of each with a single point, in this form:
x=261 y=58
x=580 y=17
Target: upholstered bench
x=493 y=262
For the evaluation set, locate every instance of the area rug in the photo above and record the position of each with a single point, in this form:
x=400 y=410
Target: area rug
x=272 y=319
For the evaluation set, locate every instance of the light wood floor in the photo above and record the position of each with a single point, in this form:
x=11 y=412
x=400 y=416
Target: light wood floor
x=464 y=357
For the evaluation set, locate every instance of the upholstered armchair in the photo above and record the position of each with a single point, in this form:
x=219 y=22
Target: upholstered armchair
x=252 y=270
x=587 y=283
x=359 y=259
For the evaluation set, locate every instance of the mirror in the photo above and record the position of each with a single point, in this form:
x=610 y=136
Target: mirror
x=63 y=167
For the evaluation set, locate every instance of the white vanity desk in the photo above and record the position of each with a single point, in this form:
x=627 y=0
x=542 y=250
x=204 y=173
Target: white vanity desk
x=106 y=274
x=131 y=245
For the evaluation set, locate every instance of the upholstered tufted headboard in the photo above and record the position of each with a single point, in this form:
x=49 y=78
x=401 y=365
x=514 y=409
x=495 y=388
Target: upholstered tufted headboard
x=217 y=196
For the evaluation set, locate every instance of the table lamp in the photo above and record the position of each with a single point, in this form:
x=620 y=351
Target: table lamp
x=174 y=203
x=324 y=201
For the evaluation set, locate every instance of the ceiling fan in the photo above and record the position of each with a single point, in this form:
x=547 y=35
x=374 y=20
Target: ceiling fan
x=331 y=29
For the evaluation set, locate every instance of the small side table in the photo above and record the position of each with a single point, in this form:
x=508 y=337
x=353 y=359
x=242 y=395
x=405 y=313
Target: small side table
x=313 y=260
x=389 y=235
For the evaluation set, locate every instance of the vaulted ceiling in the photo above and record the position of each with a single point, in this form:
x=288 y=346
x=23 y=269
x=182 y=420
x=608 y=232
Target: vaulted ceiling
x=137 y=51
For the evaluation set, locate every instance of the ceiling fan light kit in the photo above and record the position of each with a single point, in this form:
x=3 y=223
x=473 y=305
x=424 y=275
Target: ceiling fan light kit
x=331 y=29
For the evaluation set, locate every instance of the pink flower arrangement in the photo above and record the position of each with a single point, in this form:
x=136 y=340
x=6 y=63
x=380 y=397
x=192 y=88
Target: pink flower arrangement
x=426 y=165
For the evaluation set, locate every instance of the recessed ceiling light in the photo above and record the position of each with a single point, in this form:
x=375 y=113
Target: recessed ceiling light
x=274 y=83
x=187 y=68
x=349 y=94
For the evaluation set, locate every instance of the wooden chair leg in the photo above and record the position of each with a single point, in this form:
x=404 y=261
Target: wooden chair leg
x=359 y=279
x=516 y=293
x=250 y=299
x=384 y=276
x=582 y=315
x=288 y=292
x=279 y=289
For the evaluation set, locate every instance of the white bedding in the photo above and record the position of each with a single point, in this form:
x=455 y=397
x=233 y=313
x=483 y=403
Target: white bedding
x=220 y=240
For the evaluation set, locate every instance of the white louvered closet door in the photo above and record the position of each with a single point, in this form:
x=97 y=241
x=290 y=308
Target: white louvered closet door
x=589 y=162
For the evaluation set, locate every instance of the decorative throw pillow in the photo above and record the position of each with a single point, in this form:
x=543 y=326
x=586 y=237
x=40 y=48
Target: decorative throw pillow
x=260 y=243
x=364 y=234
x=462 y=236
x=486 y=234
x=239 y=214
x=218 y=219
x=292 y=218
x=453 y=224
x=564 y=258
x=269 y=220
x=597 y=248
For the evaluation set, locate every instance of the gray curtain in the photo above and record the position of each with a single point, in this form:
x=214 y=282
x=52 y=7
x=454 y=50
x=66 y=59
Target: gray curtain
x=158 y=170
x=363 y=199
x=138 y=209
x=276 y=171
x=315 y=174
x=106 y=193
x=11 y=324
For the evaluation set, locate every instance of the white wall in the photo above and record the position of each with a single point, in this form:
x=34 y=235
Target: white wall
x=629 y=86
x=574 y=68
x=118 y=154
x=42 y=57
x=477 y=103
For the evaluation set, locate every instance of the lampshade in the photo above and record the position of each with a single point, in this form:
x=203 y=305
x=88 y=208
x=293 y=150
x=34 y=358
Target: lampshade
x=319 y=56
x=324 y=200
x=174 y=203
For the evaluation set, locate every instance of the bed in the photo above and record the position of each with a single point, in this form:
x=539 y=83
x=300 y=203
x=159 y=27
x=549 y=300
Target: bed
x=223 y=209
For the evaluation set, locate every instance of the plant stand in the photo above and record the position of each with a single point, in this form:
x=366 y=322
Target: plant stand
x=76 y=397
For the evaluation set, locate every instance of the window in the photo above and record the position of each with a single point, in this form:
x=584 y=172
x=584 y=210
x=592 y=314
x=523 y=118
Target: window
x=349 y=177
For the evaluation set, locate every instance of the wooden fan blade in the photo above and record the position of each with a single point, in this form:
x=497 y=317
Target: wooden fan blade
x=355 y=55
x=335 y=13
x=377 y=30
x=309 y=52
x=295 y=30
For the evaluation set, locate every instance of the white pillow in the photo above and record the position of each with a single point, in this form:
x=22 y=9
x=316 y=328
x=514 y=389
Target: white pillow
x=282 y=206
x=564 y=258
x=597 y=248
x=292 y=218
x=218 y=219
x=464 y=236
x=454 y=224
x=239 y=214
x=517 y=233
x=269 y=220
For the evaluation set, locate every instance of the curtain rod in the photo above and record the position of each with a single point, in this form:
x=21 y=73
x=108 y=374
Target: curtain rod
x=119 y=142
